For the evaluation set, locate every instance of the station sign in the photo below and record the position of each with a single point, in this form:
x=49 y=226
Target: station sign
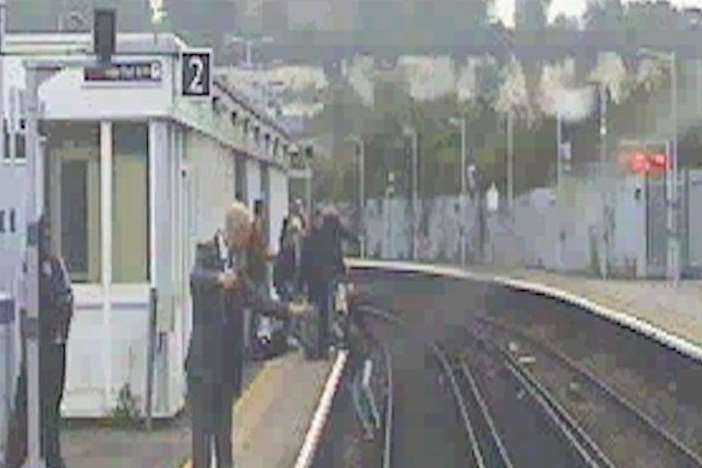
x=196 y=73
x=151 y=71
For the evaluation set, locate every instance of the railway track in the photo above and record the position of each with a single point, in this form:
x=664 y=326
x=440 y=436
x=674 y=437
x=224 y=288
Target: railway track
x=613 y=430
x=489 y=440
x=639 y=441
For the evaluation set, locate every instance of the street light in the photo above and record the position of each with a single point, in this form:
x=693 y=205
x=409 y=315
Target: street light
x=248 y=44
x=673 y=257
x=462 y=172
x=602 y=88
x=411 y=132
x=507 y=42
x=361 y=152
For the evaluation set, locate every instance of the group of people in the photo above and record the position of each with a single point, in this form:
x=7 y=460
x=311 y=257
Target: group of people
x=310 y=263
x=230 y=276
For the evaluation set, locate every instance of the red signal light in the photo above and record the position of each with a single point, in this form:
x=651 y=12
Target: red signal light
x=639 y=163
x=659 y=162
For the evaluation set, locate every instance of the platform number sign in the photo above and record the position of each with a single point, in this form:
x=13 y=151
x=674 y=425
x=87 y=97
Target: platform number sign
x=197 y=73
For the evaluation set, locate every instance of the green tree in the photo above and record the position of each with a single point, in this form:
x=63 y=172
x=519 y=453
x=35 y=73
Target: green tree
x=531 y=15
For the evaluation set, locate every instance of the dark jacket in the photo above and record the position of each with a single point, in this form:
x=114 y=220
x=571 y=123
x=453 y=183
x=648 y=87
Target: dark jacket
x=216 y=351
x=320 y=259
x=55 y=301
x=338 y=234
x=216 y=343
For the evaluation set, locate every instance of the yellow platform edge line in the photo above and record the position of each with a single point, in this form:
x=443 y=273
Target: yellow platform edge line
x=249 y=392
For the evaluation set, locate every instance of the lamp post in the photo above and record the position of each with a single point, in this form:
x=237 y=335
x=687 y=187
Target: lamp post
x=463 y=174
x=248 y=46
x=411 y=132
x=389 y=193
x=510 y=160
x=673 y=257
x=361 y=153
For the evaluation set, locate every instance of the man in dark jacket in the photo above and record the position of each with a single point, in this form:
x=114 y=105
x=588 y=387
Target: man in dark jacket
x=322 y=265
x=221 y=290
x=55 y=314
x=215 y=356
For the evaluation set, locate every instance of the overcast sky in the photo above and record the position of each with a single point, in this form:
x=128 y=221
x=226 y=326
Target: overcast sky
x=505 y=8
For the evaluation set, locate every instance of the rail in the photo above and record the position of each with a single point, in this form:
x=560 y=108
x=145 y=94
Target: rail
x=455 y=390
x=590 y=377
x=568 y=426
x=389 y=409
x=501 y=451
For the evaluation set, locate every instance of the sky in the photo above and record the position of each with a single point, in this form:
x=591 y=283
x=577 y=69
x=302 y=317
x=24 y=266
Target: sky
x=505 y=8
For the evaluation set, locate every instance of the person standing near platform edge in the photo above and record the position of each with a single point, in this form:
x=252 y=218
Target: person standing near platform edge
x=322 y=265
x=215 y=357
x=221 y=290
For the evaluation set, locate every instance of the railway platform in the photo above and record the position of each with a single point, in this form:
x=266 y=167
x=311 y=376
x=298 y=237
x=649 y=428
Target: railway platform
x=666 y=312
x=272 y=421
x=674 y=310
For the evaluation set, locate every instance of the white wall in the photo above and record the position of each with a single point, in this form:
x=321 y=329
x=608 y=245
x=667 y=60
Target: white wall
x=253 y=181
x=212 y=172
x=68 y=97
x=279 y=204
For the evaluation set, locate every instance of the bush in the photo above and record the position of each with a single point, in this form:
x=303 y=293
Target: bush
x=126 y=412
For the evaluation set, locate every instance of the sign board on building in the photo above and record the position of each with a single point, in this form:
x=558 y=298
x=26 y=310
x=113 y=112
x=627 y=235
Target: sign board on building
x=196 y=73
x=150 y=71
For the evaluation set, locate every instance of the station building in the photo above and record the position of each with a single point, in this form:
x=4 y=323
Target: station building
x=135 y=175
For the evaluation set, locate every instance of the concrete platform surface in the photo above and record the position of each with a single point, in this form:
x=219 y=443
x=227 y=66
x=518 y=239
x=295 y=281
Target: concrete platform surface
x=271 y=420
x=675 y=309
x=669 y=313
x=273 y=416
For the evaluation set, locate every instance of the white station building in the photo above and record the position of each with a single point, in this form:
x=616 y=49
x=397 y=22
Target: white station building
x=136 y=174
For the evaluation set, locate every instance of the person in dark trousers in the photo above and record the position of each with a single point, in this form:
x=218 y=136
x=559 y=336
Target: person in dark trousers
x=286 y=267
x=55 y=315
x=286 y=270
x=215 y=356
x=221 y=290
x=322 y=264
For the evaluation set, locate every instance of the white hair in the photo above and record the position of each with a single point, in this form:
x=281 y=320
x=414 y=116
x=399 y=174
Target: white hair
x=238 y=217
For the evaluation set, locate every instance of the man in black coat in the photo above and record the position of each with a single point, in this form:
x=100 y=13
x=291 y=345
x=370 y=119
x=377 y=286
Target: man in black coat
x=322 y=265
x=55 y=315
x=221 y=289
x=215 y=356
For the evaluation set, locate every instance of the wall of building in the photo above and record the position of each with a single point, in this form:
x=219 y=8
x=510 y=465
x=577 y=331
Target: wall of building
x=191 y=148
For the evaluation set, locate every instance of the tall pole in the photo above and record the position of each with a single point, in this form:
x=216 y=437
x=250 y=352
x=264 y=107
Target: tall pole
x=510 y=159
x=34 y=202
x=558 y=151
x=362 y=194
x=415 y=190
x=463 y=191
x=559 y=195
x=3 y=10
x=673 y=203
x=603 y=171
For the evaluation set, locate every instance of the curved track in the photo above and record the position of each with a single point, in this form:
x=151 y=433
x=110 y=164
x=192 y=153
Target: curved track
x=553 y=437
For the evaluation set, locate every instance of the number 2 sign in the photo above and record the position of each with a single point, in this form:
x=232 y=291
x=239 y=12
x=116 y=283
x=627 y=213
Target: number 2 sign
x=197 y=73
